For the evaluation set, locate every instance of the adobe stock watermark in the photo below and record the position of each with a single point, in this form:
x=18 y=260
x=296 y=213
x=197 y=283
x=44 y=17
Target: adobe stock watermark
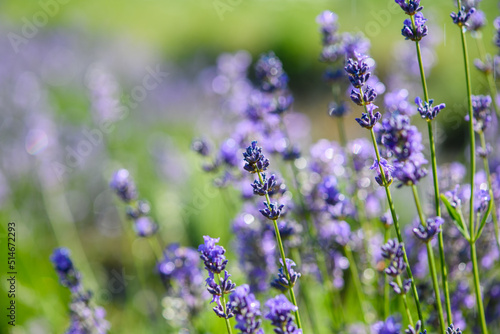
x=223 y=6
x=75 y=155
x=32 y=25
x=381 y=19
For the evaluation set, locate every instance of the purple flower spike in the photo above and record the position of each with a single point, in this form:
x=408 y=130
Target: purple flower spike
x=420 y=30
x=213 y=255
x=401 y=290
x=256 y=162
x=369 y=95
x=427 y=233
x=247 y=310
x=390 y=326
x=68 y=276
x=145 y=226
x=411 y=171
x=282 y=282
x=454 y=198
x=335 y=110
x=411 y=7
x=452 y=330
x=481 y=107
x=272 y=211
x=123 y=185
x=388 y=170
x=483 y=200
x=393 y=251
x=426 y=110
x=462 y=16
x=477 y=21
x=270 y=74
x=358 y=72
x=263 y=188
x=368 y=120
x=280 y=314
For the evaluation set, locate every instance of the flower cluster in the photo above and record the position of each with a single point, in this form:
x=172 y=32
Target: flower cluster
x=426 y=110
x=428 y=231
x=215 y=262
x=280 y=314
x=462 y=16
x=393 y=252
x=389 y=326
x=255 y=161
x=410 y=7
x=481 y=107
x=415 y=30
x=388 y=170
x=138 y=210
x=85 y=318
x=247 y=310
x=282 y=282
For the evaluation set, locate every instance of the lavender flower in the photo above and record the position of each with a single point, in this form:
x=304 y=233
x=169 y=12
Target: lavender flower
x=414 y=330
x=327 y=21
x=123 y=185
x=280 y=314
x=247 y=310
x=212 y=255
x=403 y=289
x=338 y=110
x=145 y=227
x=261 y=189
x=388 y=170
x=426 y=110
x=256 y=162
x=452 y=330
x=428 y=232
x=84 y=317
x=477 y=21
x=481 y=106
x=389 y=326
x=369 y=119
x=357 y=71
x=393 y=251
x=282 y=282
x=272 y=211
x=462 y=16
x=68 y=276
x=201 y=147
x=363 y=96
x=420 y=30
x=269 y=71
x=411 y=171
x=454 y=198
x=489 y=64
x=483 y=200
x=411 y=7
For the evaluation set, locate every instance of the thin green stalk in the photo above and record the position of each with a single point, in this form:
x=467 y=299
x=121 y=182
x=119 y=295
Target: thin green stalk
x=228 y=324
x=342 y=135
x=283 y=257
x=477 y=286
x=488 y=177
x=357 y=283
x=405 y=302
x=397 y=228
x=386 y=282
x=472 y=173
x=155 y=246
x=432 y=144
x=432 y=265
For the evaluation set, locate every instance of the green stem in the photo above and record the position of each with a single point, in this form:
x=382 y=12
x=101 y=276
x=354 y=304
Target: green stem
x=405 y=301
x=228 y=324
x=283 y=257
x=342 y=135
x=488 y=177
x=432 y=144
x=472 y=173
x=432 y=264
x=477 y=286
x=397 y=228
x=155 y=246
x=386 y=281
x=357 y=283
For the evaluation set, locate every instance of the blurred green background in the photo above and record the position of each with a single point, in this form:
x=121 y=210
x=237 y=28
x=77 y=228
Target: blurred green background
x=186 y=35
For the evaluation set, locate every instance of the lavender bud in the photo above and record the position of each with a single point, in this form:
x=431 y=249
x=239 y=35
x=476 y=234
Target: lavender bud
x=452 y=330
x=426 y=110
x=263 y=188
x=270 y=74
x=411 y=7
x=123 y=185
x=145 y=226
x=428 y=232
x=368 y=120
x=201 y=147
x=462 y=16
x=388 y=169
x=280 y=314
x=282 y=279
x=212 y=255
x=247 y=310
x=68 y=276
x=420 y=30
x=256 y=162
x=272 y=211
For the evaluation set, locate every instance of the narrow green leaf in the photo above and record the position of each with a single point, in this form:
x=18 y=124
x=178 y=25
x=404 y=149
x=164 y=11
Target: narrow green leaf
x=456 y=217
x=483 y=221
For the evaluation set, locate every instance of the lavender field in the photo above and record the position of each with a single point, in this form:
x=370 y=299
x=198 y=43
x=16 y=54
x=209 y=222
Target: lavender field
x=230 y=166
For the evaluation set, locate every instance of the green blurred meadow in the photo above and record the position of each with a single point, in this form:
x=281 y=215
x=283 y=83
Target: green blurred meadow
x=153 y=141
